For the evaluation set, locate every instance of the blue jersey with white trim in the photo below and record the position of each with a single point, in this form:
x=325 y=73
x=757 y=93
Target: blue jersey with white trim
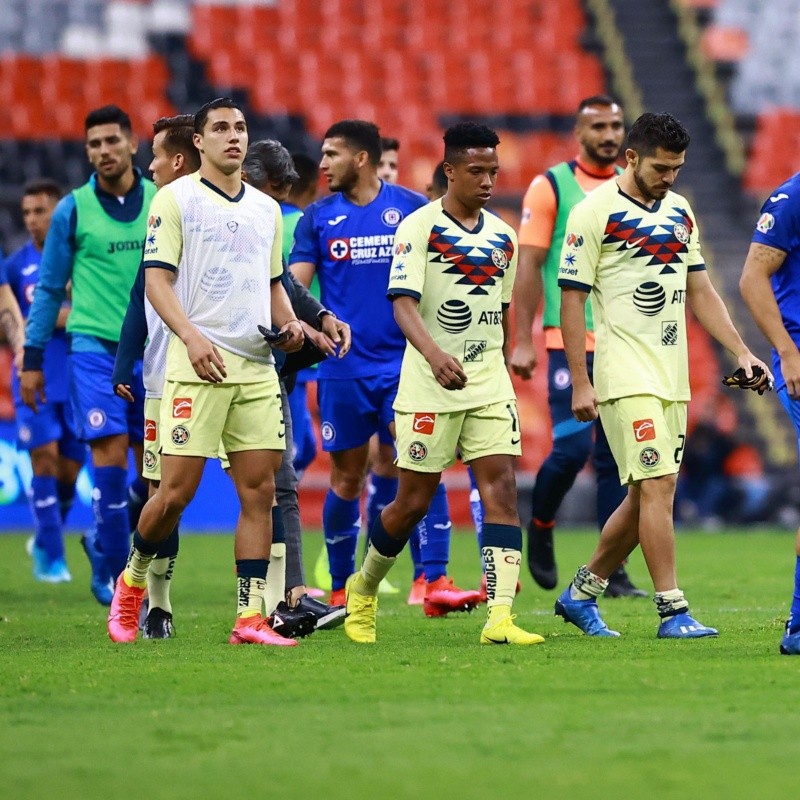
x=778 y=226
x=351 y=247
x=21 y=273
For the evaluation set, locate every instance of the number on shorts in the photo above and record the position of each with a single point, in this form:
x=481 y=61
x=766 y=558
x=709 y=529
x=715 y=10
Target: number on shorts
x=679 y=448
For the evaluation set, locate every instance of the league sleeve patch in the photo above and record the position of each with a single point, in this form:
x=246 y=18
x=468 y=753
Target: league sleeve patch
x=574 y=240
x=766 y=222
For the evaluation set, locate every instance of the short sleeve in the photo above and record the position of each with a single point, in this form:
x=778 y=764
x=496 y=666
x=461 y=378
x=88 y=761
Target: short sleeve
x=407 y=275
x=164 y=244
x=580 y=252
x=777 y=225
x=539 y=211
x=694 y=258
x=305 y=248
x=276 y=259
x=511 y=270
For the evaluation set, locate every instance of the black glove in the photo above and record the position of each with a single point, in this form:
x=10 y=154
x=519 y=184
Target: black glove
x=760 y=382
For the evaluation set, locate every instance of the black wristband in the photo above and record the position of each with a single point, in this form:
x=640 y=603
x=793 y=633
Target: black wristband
x=33 y=359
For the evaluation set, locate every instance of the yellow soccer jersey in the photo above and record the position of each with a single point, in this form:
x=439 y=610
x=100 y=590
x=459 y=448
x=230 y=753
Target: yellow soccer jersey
x=463 y=281
x=225 y=253
x=634 y=260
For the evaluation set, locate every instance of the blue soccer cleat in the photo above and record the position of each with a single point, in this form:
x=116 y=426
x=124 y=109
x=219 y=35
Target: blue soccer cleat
x=584 y=614
x=790 y=644
x=102 y=585
x=683 y=626
x=49 y=570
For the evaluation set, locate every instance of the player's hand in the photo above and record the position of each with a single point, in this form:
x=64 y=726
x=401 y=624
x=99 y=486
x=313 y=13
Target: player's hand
x=523 y=360
x=339 y=332
x=205 y=358
x=18 y=359
x=123 y=390
x=31 y=387
x=752 y=374
x=293 y=331
x=790 y=368
x=448 y=371
x=319 y=339
x=584 y=402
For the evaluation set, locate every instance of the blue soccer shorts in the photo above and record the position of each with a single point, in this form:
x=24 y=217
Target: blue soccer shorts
x=52 y=423
x=98 y=411
x=351 y=411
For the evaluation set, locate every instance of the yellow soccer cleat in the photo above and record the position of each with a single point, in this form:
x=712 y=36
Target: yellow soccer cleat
x=362 y=610
x=504 y=631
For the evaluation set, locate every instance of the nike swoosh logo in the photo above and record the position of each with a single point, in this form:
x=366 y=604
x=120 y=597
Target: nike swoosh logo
x=281 y=435
x=443 y=526
x=46 y=503
x=337 y=220
x=336 y=539
x=516 y=441
x=635 y=242
x=30 y=269
x=778 y=197
x=118 y=506
x=450 y=259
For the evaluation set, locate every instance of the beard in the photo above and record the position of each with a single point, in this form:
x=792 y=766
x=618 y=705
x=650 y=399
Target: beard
x=600 y=158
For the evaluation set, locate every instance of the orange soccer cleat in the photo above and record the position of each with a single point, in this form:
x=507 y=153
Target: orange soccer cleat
x=416 y=596
x=123 y=616
x=442 y=596
x=256 y=630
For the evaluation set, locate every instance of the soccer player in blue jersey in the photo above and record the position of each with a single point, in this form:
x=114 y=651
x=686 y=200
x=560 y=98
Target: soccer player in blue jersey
x=770 y=285
x=48 y=435
x=95 y=240
x=347 y=239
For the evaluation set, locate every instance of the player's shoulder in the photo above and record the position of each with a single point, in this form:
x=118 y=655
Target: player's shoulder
x=408 y=197
x=324 y=208
x=785 y=199
x=678 y=202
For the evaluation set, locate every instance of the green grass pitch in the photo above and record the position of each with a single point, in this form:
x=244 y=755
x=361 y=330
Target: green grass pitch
x=427 y=712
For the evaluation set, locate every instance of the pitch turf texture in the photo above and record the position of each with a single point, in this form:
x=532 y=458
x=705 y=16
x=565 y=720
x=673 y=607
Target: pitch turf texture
x=427 y=712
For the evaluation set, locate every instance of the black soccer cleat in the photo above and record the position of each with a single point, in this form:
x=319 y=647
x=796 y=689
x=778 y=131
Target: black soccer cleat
x=619 y=585
x=158 y=624
x=326 y=616
x=292 y=623
x=541 y=556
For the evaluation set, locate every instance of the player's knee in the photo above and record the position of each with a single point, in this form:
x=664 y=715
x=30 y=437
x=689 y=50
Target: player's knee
x=174 y=499
x=501 y=498
x=347 y=485
x=44 y=463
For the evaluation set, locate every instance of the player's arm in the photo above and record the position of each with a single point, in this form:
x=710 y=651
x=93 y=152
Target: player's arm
x=305 y=253
x=284 y=317
x=311 y=311
x=55 y=272
x=756 y=289
x=446 y=369
x=536 y=230
x=11 y=323
x=712 y=314
x=573 y=331
x=132 y=340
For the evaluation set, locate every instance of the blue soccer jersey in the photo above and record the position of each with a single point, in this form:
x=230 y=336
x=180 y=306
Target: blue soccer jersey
x=21 y=272
x=351 y=247
x=779 y=227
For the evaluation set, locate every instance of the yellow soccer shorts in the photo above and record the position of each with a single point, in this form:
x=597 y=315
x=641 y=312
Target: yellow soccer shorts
x=427 y=441
x=151 y=460
x=196 y=418
x=646 y=435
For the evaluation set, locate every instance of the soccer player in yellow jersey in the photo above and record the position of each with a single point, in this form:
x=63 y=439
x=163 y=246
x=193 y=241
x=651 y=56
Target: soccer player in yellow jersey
x=633 y=244
x=213 y=261
x=450 y=283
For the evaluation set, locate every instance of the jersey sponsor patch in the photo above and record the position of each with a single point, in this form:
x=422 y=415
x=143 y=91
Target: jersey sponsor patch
x=644 y=430
x=179 y=435
x=669 y=333
x=424 y=423
x=454 y=316
x=473 y=350
x=182 y=408
x=650 y=298
x=766 y=222
x=150 y=430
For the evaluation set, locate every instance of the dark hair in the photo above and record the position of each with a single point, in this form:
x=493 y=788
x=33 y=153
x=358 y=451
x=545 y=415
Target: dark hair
x=268 y=161
x=108 y=115
x=389 y=143
x=465 y=135
x=179 y=138
x=439 y=180
x=651 y=131
x=201 y=115
x=597 y=100
x=359 y=135
x=43 y=186
x=307 y=170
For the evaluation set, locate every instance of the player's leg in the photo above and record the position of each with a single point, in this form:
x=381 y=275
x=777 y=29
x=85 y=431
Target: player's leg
x=101 y=420
x=790 y=643
x=305 y=441
x=72 y=453
x=348 y=422
x=610 y=495
x=490 y=442
x=381 y=490
x=138 y=490
x=572 y=443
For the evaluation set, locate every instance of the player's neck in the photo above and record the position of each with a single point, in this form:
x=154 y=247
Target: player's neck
x=628 y=185
x=119 y=187
x=365 y=190
x=468 y=217
x=594 y=169
x=229 y=185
